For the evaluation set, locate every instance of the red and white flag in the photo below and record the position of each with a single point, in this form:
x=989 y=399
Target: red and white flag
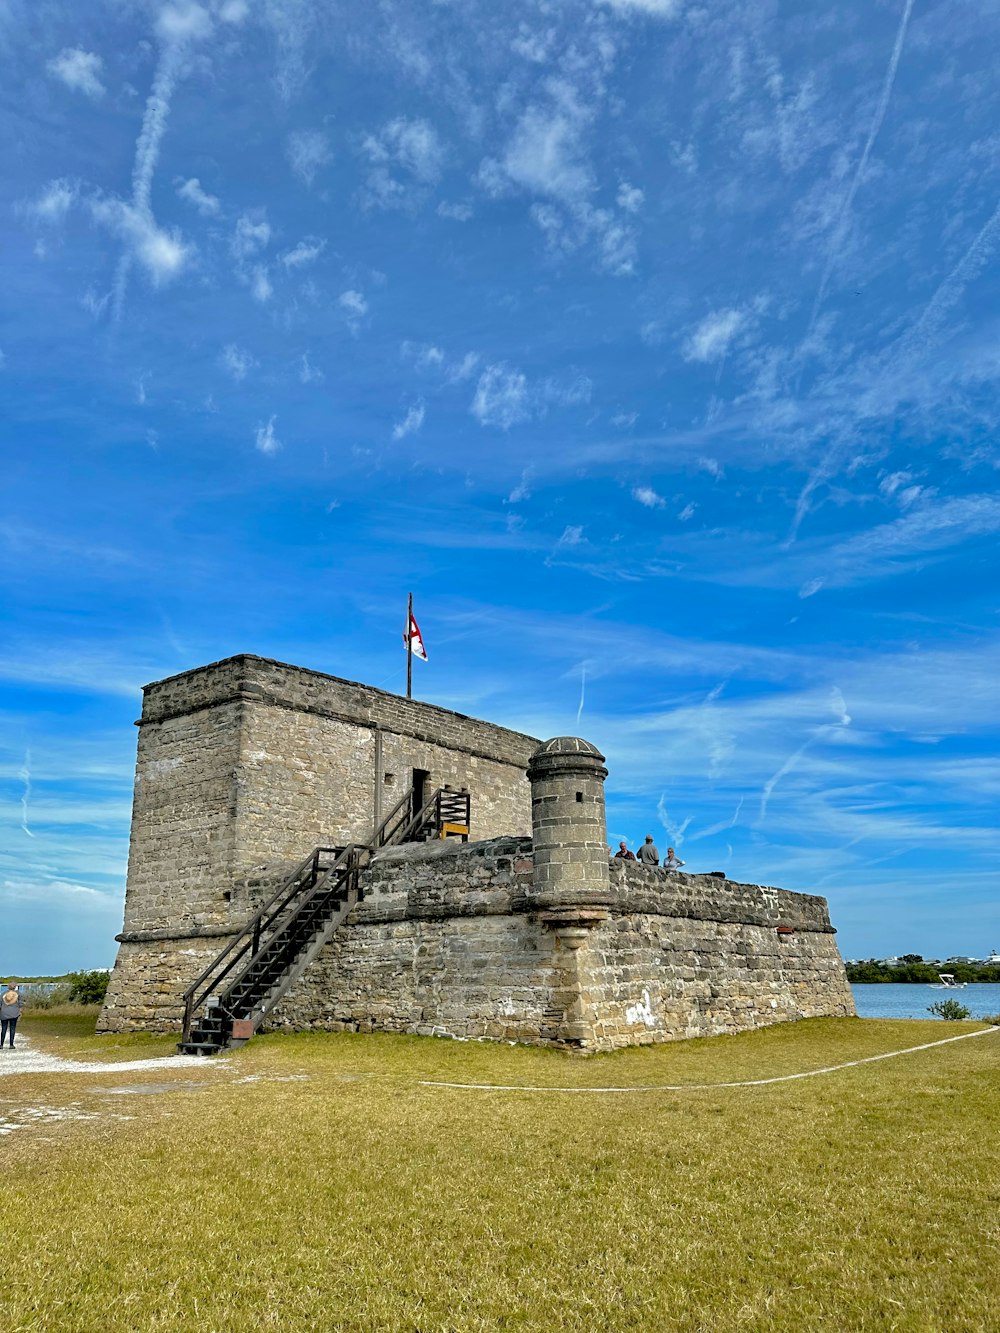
x=415 y=639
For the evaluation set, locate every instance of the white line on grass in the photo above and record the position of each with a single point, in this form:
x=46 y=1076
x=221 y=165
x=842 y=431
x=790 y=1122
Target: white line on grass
x=706 y=1087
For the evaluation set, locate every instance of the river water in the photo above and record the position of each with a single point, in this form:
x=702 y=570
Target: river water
x=901 y=1000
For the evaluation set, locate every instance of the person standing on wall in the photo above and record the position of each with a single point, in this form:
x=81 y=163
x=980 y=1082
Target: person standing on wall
x=673 y=861
x=10 y=1012
x=648 y=854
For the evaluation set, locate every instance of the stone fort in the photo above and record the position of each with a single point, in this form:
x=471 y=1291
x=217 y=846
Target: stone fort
x=307 y=852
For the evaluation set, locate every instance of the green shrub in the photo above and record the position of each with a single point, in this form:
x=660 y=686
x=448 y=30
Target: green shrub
x=88 y=987
x=949 y=1009
x=45 y=999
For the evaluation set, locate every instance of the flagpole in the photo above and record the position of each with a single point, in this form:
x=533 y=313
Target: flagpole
x=409 y=647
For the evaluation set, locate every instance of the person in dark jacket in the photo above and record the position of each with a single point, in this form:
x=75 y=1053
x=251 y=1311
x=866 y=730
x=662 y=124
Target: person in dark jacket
x=623 y=853
x=10 y=1012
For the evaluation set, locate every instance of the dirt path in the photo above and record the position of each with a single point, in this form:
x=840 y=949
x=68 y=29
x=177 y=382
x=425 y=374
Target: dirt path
x=26 y=1059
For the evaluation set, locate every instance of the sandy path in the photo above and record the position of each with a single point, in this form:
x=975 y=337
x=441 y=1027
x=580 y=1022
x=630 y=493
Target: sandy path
x=25 y=1059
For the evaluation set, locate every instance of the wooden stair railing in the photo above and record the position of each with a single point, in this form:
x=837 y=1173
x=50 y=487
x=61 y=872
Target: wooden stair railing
x=271 y=950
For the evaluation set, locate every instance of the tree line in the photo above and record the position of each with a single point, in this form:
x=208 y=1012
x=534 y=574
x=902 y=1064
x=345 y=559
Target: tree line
x=912 y=968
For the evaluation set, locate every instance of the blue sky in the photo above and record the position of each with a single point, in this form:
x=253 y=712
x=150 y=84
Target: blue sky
x=654 y=345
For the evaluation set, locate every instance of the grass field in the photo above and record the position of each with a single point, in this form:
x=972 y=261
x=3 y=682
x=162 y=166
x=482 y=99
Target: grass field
x=315 y=1182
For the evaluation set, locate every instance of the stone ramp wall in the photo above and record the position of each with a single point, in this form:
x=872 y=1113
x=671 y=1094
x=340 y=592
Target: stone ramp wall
x=442 y=945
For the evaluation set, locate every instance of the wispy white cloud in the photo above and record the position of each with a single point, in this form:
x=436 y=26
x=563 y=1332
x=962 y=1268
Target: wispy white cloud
x=238 y=361
x=55 y=201
x=712 y=338
x=406 y=158
x=251 y=235
x=191 y=190
x=423 y=355
x=534 y=44
x=308 y=152
x=306 y=252
x=630 y=197
x=413 y=145
x=428 y=357
x=160 y=250
x=933 y=527
x=501 y=397
x=308 y=373
x=522 y=491
x=79 y=70
x=25 y=776
x=456 y=212
x=903 y=489
x=260 y=283
x=183 y=21
x=927 y=528
x=353 y=303
x=504 y=395
x=548 y=156
x=648 y=497
x=572 y=535
x=265 y=439
x=664 y=9
x=843 y=214
x=410 y=424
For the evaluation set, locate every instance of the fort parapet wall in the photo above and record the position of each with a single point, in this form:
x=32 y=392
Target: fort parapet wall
x=457 y=943
x=457 y=940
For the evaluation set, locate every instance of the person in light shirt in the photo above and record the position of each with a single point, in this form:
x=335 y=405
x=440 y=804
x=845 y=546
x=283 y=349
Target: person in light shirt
x=672 y=860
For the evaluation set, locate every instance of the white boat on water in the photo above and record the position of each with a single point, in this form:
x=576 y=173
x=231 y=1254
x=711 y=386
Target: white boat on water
x=946 y=981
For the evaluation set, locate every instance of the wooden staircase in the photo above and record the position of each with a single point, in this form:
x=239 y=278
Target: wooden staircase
x=226 y=1004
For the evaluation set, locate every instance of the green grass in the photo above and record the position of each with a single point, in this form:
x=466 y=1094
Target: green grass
x=336 y=1192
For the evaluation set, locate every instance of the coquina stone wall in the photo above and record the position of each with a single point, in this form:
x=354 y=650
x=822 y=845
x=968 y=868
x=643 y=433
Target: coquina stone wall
x=243 y=767
x=534 y=939
x=457 y=940
x=461 y=942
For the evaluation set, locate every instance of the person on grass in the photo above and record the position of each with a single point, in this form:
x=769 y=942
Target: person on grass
x=10 y=1012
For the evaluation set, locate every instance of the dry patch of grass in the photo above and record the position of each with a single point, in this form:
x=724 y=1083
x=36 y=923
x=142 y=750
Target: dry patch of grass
x=315 y=1184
